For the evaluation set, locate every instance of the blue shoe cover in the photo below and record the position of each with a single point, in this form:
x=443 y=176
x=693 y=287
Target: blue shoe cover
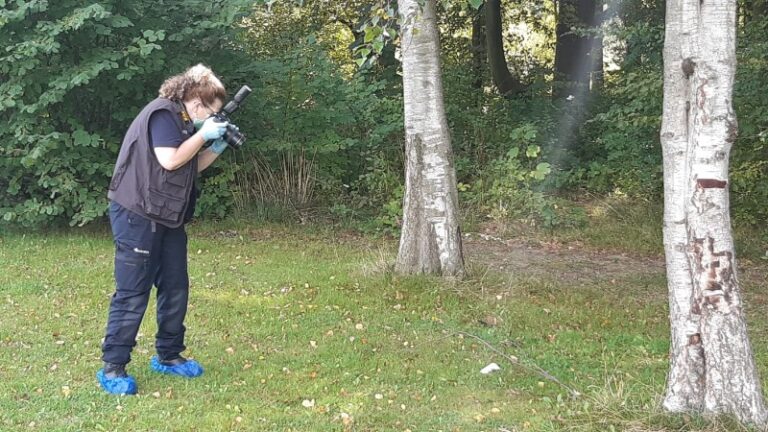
x=188 y=369
x=117 y=386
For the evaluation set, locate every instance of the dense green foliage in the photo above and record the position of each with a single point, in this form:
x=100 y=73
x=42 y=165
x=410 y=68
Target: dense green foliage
x=620 y=150
x=73 y=77
x=749 y=161
x=325 y=134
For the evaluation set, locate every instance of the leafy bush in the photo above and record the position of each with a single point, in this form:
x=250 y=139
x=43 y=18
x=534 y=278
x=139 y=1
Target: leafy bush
x=316 y=130
x=749 y=157
x=73 y=77
x=513 y=186
x=620 y=148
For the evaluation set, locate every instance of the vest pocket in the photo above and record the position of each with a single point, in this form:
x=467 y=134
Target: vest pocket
x=178 y=178
x=164 y=206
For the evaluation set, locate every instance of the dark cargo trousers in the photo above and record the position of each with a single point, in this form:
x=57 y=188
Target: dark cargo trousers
x=145 y=254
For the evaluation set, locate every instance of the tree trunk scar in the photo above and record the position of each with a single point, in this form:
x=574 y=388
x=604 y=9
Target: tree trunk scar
x=711 y=184
x=459 y=245
x=695 y=308
x=702 y=98
x=713 y=273
x=688 y=66
x=700 y=199
x=417 y=149
x=432 y=258
x=694 y=339
x=733 y=131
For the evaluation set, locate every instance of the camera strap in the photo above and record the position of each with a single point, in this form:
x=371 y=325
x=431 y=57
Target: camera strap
x=186 y=120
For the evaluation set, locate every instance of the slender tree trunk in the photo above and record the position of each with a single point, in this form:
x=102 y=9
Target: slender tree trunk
x=566 y=49
x=597 y=48
x=573 y=59
x=586 y=20
x=505 y=82
x=431 y=238
x=478 y=47
x=712 y=367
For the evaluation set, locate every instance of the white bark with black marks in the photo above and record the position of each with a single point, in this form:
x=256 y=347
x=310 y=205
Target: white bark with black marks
x=431 y=238
x=712 y=367
x=686 y=363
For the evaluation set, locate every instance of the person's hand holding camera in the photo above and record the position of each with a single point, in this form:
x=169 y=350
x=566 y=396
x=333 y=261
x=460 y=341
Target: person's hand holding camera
x=218 y=146
x=213 y=129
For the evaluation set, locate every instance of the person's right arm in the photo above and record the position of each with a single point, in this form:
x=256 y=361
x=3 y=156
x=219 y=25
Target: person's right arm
x=173 y=158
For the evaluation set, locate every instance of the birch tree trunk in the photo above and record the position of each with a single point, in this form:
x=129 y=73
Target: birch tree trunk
x=712 y=368
x=685 y=382
x=431 y=238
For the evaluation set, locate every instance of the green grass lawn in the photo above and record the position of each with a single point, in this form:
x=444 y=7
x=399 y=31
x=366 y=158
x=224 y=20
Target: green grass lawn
x=308 y=331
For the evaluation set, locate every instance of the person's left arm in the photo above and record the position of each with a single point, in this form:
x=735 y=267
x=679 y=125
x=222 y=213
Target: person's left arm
x=206 y=157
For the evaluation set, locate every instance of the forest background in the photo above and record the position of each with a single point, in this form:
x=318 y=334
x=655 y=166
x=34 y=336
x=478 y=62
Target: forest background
x=554 y=111
x=549 y=111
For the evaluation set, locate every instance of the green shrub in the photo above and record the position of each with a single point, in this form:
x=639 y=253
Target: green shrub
x=318 y=133
x=73 y=77
x=749 y=156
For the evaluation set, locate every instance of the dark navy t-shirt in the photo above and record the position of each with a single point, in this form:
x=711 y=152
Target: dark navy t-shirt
x=163 y=132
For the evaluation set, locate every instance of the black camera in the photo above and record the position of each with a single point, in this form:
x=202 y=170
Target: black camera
x=232 y=136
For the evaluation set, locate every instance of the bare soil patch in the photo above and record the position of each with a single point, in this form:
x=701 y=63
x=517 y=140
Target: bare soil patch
x=577 y=262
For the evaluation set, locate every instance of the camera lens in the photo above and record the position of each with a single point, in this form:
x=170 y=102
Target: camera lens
x=233 y=137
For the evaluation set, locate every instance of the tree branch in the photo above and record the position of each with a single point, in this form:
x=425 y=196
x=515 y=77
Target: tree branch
x=531 y=367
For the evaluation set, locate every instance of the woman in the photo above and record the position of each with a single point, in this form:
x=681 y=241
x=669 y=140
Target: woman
x=152 y=195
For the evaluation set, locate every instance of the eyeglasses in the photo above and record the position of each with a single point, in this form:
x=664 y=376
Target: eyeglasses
x=205 y=105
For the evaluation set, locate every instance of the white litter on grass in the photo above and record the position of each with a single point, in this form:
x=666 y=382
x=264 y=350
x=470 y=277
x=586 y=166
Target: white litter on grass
x=490 y=368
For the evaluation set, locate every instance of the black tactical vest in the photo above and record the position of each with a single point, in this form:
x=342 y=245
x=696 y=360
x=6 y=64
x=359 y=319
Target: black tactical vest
x=140 y=183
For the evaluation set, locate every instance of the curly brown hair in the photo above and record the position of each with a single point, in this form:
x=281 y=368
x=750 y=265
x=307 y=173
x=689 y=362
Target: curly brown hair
x=196 y=82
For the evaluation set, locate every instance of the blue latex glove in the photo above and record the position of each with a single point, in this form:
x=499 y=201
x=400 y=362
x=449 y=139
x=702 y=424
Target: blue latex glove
x=218 y=146
x=212 y=129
